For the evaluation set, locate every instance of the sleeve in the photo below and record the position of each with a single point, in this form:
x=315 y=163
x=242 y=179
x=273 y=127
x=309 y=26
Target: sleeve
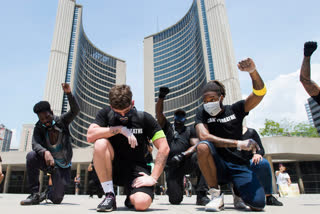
x=69 y=116
x=36 y=139
x=255 y=136
x=238 y=108
x=199 y=116
x=193 y=133
x=286 y=176
x=152 y=128
x=102 y=118
x=317 y=98
x=0 y=159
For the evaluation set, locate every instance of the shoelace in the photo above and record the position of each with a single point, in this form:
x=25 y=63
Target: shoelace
x=106 y=200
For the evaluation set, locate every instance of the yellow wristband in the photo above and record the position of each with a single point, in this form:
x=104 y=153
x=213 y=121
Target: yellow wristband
x=260 y=92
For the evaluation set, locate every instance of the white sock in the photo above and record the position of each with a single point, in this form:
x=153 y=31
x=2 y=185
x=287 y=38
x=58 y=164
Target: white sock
x=107 y=186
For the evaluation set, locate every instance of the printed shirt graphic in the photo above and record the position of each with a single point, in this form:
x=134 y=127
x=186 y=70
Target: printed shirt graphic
x=142 y=130
x=228 y=125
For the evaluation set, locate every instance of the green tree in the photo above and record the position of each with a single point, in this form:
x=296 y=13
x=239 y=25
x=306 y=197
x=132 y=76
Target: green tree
x=288 y=128
x=271 y=128
x=304 y=130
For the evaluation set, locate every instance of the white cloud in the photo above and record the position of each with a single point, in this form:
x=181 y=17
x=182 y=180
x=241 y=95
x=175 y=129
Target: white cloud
x=285 y=99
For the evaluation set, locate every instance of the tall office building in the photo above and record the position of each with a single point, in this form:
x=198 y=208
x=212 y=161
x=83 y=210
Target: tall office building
x=90 y=72
x=315 y=113
x=26 y=138
x=309 y=114
x=5 y=138
x=185 y=56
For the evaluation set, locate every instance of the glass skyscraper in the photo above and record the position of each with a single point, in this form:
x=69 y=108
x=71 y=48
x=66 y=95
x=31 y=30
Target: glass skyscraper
x=185 y=56
x=90 y=72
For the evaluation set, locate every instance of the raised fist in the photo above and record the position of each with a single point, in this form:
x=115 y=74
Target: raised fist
x=66 y=88
x=309 y=48
x=247 y=65
x=163 y=92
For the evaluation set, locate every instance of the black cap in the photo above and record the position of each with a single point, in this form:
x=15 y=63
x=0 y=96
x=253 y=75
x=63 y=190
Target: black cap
x=180 y=112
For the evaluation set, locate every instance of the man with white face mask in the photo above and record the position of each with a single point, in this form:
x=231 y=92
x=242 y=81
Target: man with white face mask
x=219 y=128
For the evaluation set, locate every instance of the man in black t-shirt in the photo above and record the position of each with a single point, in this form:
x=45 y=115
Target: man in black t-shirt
x=121 y=135
x=219 y=153
x=310 y=86
x=182 y=159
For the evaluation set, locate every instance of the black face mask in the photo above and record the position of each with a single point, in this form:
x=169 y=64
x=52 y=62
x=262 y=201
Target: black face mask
x=179 y=122
x=124 y=119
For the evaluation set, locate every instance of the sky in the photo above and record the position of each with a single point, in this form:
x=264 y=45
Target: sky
x=271 y=32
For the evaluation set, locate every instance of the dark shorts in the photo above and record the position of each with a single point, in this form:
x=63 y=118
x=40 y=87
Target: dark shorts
x=123 y=175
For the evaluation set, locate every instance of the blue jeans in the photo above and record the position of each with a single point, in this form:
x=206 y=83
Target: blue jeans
x=263 y=172
x=245 y=181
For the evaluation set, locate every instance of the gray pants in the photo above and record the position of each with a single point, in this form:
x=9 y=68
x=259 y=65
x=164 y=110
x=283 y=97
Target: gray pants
x=60 y=177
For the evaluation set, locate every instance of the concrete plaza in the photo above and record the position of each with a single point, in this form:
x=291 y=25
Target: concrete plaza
x=10 y=204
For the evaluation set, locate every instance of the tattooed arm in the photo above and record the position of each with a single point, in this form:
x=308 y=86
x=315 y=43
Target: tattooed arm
x=163 y=150
x=96 y=132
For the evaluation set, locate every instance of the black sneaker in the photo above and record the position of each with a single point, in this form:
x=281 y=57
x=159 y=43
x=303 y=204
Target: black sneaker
x=202 y=200
x=44 y=195
x=271 y=200
x=127 y=203
x=32 y=199
x=108 y=204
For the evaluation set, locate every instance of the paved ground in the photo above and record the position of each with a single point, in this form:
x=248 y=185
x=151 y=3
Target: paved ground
x=9 y=204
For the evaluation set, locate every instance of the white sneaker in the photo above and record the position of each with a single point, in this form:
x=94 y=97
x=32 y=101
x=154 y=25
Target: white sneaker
x=216 y=203
x=238 y=203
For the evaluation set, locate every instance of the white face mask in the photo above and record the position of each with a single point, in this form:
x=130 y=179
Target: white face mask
x=213 y=108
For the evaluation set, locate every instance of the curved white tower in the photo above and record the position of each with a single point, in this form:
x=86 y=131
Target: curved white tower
x=185 y=56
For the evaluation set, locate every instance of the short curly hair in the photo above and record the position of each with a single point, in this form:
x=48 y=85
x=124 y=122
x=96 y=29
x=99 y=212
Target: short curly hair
x=41 y=106
x=215 y=86
x=120 y=96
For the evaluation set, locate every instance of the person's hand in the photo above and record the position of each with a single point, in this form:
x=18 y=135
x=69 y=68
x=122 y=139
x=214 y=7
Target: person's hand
x=131 y=138
x=256 y=159
x=48 y=158
x=309 y=48
x=163 y=92
x=248 y=145
x=247 y=65
x=177 y=159
x=66 y=88
x=144 y=181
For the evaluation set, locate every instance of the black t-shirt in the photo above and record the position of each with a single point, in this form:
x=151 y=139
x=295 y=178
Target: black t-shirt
x=178 y=142
x=141 y=124
x=228 y=125
x=317 y=98
x=252 y=134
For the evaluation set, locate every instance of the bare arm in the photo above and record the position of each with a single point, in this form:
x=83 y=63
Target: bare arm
x=252 y=100
x=289 y=181
x=163 y=150
x=96 y=132
x=305 y=78
x=310 y=86
x=203 y=134
x=159 y=112
x=194 y=142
